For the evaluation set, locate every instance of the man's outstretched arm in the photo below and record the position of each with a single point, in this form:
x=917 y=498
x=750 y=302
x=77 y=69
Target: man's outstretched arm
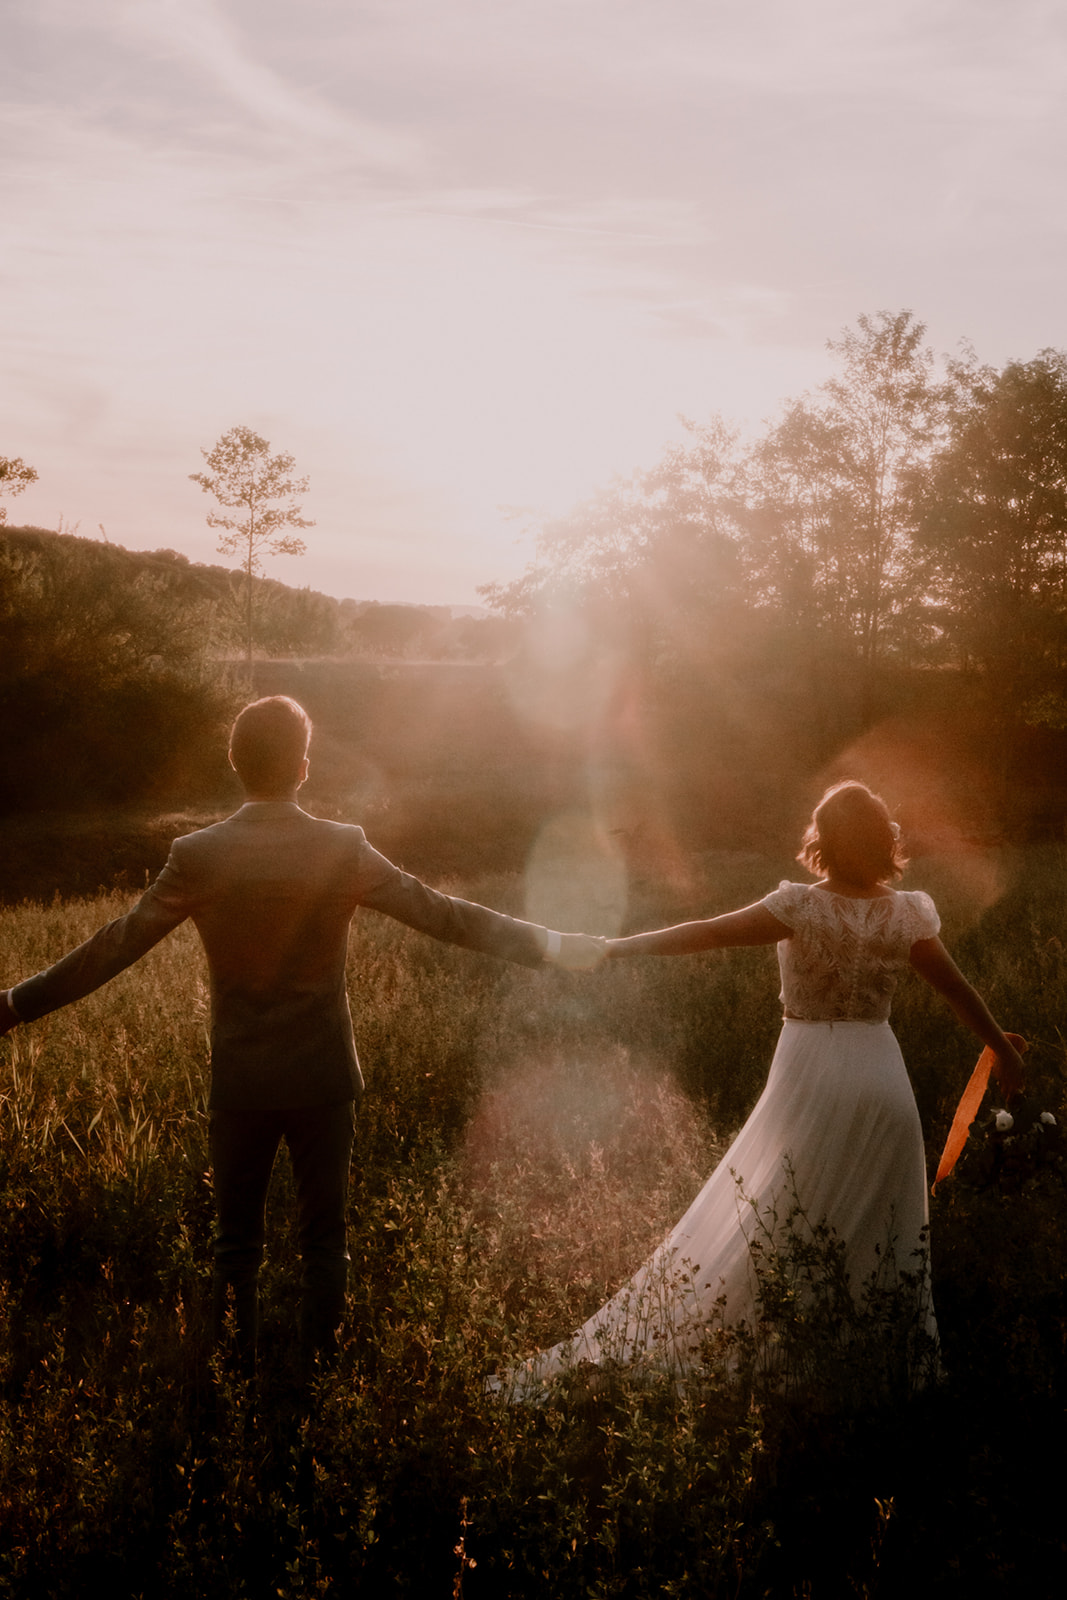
x=108 y=952
x=9 y=1017
x=472 y=926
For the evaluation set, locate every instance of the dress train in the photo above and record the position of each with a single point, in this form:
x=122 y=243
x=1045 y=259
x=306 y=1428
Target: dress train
x=834 y=1140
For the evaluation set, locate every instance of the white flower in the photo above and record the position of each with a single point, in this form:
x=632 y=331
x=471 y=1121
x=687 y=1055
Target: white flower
x=1005 y=1121
x=1046 y=1116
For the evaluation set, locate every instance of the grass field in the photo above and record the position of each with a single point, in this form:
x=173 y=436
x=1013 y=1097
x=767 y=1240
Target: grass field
x=525 y=1140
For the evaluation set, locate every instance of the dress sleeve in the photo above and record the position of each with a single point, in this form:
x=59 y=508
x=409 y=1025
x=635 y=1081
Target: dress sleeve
x=786 y=902
x=923 y=920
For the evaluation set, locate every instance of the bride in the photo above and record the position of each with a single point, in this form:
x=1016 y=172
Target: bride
x=835 y=1138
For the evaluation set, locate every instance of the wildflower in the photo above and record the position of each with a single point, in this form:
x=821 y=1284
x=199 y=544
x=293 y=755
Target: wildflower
x=1005 y=1121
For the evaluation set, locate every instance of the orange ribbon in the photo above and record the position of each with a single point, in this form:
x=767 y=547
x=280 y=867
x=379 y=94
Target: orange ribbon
x=967 y=1109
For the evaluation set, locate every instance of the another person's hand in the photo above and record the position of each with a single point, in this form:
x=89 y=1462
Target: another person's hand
x=578 y=952
x=9 y=1017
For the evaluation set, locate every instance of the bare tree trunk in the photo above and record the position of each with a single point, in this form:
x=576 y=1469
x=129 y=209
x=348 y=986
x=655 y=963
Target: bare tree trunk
x=248 y=616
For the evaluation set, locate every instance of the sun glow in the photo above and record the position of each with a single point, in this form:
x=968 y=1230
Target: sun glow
x=576 y=878
x=930 y=780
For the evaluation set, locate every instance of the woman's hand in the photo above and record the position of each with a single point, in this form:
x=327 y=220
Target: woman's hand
x=1008 y=1069
x=932 y=961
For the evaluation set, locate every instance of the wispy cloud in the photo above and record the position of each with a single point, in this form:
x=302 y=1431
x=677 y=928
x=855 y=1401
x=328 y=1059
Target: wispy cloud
x=200 y=63
x=478 y=251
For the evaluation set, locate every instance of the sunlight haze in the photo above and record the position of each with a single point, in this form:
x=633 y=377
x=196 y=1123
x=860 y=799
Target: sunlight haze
x=463 y=256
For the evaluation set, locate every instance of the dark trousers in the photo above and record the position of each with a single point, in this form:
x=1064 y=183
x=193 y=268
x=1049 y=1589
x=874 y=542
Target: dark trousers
x=243 y=1147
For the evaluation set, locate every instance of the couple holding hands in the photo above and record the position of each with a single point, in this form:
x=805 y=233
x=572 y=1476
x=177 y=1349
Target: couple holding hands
x=272 y=891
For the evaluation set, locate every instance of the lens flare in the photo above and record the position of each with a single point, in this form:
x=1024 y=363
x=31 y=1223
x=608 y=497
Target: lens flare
x=576 y=878
x=563 y=680
x=945 y=801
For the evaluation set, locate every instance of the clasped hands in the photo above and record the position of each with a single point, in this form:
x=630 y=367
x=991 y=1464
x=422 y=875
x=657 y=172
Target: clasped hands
x=575 y=952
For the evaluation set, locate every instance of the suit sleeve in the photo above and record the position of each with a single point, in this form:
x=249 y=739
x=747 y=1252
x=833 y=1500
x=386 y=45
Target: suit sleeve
x=118 y=945
x=474 y=927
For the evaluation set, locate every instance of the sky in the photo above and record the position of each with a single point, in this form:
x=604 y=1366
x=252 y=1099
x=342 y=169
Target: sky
x=469 y=259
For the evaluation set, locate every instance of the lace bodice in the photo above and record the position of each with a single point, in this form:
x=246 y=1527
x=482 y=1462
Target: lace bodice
x=845 y=956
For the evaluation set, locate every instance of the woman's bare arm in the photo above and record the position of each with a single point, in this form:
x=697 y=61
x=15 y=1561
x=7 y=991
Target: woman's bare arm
x=754 y=925
x=932 y=961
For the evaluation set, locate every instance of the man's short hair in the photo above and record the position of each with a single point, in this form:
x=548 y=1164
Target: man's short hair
x=268 y=743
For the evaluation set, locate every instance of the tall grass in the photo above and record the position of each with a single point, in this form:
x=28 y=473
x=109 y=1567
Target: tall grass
x=526 y=1139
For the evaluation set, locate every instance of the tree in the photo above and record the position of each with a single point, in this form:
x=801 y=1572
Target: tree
x=15 y=476
x=890 y=410
x=246 y=479
x=106 y=691
x=995 y=523
x=391 y=630
x=832 y=515
x=651 y=562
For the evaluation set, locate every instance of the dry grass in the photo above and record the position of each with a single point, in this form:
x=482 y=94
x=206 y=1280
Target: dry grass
x=526 y=1139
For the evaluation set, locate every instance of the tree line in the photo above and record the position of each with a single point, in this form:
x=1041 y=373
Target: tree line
x=900 y=530
x=892 y=544
x=897 y=516
x=119 y=669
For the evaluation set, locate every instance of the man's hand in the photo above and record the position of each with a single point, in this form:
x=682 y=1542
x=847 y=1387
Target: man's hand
x=577 y=952
x=9 y=1018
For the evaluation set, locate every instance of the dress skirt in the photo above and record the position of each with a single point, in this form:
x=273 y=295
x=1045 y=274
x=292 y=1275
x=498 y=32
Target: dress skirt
x=834 y=1140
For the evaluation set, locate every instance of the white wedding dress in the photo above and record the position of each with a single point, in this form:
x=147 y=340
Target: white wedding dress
x=834 y=1139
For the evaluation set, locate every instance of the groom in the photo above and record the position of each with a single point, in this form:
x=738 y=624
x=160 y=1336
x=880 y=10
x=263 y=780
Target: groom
x=272 y=891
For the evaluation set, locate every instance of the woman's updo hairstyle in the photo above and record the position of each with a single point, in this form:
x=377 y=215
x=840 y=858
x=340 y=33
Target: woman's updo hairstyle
x=851 y=836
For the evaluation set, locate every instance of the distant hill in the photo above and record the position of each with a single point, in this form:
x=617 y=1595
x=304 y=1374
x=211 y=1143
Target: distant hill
x=291 y=621
x=120 y=672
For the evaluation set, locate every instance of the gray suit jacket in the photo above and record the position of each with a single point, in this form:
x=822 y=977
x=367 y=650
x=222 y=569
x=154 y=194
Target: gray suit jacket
x=272 y=891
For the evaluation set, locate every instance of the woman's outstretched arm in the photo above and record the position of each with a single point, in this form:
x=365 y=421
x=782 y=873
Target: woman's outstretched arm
x=754 y=925
x=932 y=961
